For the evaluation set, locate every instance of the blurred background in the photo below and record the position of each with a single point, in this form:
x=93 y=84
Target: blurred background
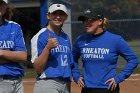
x=124 y=17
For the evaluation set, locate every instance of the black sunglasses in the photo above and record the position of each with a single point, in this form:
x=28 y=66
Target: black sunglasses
x=89 y=20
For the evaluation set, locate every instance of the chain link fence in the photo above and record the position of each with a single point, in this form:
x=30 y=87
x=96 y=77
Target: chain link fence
x=129 y=29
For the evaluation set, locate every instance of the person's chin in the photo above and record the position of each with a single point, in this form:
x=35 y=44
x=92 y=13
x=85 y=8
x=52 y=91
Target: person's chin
x=89 y=31
x=58 y=25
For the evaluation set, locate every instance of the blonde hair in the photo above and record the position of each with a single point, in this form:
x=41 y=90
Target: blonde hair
x=105 y=23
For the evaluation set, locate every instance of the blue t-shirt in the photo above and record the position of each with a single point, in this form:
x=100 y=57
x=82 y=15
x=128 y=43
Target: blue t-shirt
x=11 y=38
x=60 y=58
x=99 y=55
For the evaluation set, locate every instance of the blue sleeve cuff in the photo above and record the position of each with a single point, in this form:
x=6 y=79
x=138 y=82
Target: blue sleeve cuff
x=76 y=78
x=118 y=79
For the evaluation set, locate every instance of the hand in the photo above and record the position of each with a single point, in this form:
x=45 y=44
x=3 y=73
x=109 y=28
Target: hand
x=52 y=42
x=81 y=83
x=112 y=86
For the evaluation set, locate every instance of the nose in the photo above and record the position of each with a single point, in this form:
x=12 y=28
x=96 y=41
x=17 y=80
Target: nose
x=58 y=16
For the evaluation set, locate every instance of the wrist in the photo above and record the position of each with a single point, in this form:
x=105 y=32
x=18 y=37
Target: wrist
x=47 y=49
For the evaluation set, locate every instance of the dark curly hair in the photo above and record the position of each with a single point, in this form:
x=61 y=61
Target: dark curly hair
x=9 y=10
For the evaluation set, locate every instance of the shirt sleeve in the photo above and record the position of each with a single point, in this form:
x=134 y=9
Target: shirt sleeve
x=76 y=55
x=19 y=40
x=131 y=58
x=37 y=46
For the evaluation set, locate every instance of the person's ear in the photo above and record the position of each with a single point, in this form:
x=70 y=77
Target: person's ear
x=48 y=16
x=100 y=21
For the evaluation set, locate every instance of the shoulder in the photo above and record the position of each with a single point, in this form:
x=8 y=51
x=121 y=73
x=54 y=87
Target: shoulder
x=112 y=36
x=12 y=23
x=13 y=27
x=39 y=34
x=114 y=39
x=82 y=37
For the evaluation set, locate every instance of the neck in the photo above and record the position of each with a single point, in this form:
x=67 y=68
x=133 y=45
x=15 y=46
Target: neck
x=54 y=29
x=98 y=31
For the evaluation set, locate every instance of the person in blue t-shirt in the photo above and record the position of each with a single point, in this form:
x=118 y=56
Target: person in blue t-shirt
x=51 y=53
x=12 y=52
x=99 y=51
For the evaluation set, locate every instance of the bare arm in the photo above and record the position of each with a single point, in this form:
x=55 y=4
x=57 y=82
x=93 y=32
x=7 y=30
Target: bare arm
x=13 y=56
x=40 y=62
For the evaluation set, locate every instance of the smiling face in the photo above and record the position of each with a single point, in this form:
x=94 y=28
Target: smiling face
x=57 y=18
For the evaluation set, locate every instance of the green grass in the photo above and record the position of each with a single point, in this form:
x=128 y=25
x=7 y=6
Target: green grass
x=30 y=73
x=136 y=71
x=134 y=42
x=135 y=45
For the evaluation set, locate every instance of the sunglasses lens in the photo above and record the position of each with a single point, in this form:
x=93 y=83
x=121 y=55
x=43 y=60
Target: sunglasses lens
x=88 y=21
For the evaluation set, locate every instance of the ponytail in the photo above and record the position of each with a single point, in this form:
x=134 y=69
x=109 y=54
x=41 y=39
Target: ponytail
x=105 y=23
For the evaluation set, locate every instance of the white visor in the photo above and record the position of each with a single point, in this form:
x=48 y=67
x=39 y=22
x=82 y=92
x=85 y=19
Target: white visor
x=6 y=1
x=55 y=7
